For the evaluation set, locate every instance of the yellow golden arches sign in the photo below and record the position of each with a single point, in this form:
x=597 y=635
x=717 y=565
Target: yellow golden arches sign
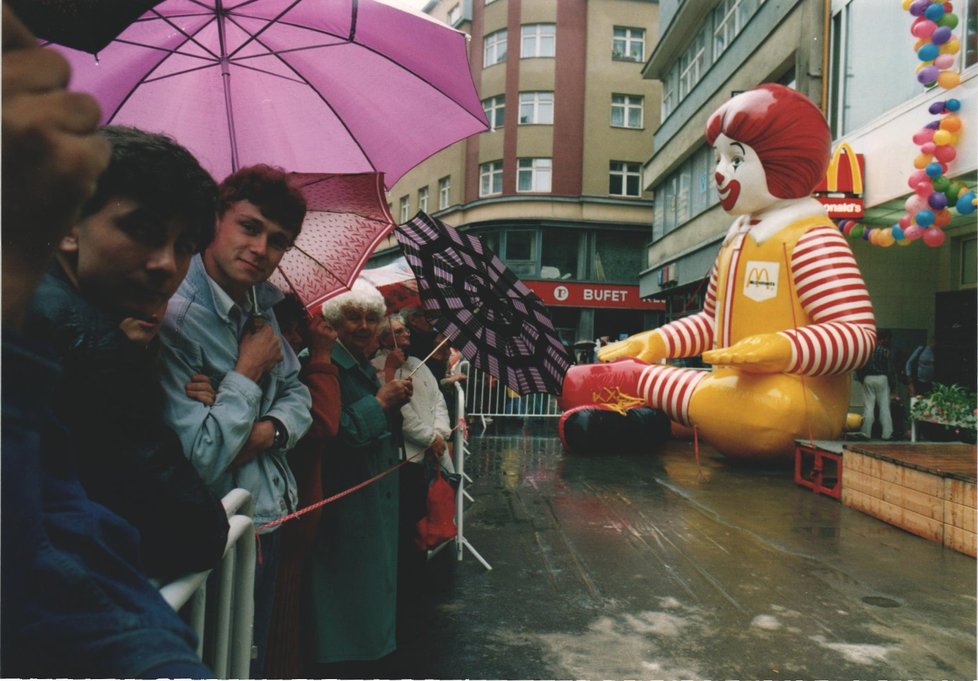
x=841 y=190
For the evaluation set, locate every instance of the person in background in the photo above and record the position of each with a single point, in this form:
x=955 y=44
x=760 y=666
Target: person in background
x=920 y=368
x=353 y=569
x=312 y=339
x=422 y=336
x=426 y=431
x=75 y=601
x=452 y=376
x=876 y=380
x=99 y=307
x=220 y=327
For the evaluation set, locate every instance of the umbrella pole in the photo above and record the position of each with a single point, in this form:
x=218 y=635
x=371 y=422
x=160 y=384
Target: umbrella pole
x=437 y=348
x=226 y=80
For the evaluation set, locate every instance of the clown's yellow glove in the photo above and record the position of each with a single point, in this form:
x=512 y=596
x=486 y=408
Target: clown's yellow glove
x=766 y=353
x=647 y=346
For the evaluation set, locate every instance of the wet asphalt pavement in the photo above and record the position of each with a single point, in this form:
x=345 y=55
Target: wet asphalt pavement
x=640 y=565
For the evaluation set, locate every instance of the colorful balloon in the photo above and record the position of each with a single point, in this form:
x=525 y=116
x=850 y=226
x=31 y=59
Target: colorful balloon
x=935 y=12
x=952 y=104
x=944 y=61
x=913 y=232
x=940 y=35
x=923 y=136
x=933 y=237
x=928 y=52
x=966 y=203
x=941 y=137
x=924 y=218
x=897 y=232
x=948 y=79
x=949 y=19
x=885 y=238
x=928 y=75
x=937 y=201
x=951 y=122
x=942 y=218
x=945 y=154
x=934 y=169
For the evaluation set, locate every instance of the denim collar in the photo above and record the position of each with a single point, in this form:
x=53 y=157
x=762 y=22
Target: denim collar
x=220 y=302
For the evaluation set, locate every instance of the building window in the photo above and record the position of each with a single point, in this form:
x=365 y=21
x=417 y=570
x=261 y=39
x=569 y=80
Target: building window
x=423 y=199
x=668 y=94
x=491 y=178
x=444 y=192
x=626 y=179
x=560 y=252
x=454 y=15
x=539 y=40
x=405 y=209
x=495 y=108
x=521 y=252
x=537 y=108
x=861 y=89
x=692 y=65
x=533 y=174
x=628 y=43
x=685 y=193
x=495 y=48
x=626 y=111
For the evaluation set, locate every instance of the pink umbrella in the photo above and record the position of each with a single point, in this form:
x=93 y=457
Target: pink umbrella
x=340 y=86
x=346 y=218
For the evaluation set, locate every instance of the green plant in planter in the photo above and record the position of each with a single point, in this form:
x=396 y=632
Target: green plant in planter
x=949 y=405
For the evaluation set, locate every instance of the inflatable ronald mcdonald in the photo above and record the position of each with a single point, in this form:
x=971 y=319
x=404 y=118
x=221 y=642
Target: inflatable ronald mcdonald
x=786 y=316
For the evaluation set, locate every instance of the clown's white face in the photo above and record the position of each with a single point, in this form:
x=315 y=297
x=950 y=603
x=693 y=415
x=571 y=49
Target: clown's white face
x=740 y=178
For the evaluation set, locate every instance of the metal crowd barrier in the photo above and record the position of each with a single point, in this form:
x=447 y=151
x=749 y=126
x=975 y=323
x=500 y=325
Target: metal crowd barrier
x=486 y=397
x=223 y=620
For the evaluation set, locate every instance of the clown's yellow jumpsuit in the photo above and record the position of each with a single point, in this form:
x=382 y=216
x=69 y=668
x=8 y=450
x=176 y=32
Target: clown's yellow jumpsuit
x=785 y=319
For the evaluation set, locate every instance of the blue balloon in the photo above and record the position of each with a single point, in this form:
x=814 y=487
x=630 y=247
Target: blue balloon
x=928 y=52
x=966 y=203
x=952 y=104
x=897 y=231
x=924 y=218
x=935 y=12
x=933 y=169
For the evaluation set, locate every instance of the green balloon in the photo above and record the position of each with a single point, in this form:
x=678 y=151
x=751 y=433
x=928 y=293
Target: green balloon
x=949 y=19
x=940 y=183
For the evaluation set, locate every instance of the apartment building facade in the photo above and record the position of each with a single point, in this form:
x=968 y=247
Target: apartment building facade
x=555 y=186
x=856 y=59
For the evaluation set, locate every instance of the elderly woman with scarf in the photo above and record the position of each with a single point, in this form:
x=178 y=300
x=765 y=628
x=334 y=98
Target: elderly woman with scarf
x=353 y=570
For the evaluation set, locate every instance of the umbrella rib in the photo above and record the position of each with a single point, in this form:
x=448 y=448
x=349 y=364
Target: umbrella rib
x=191 y=37
x=131 y=92
x=254 y=36
x=170 y=51
x=269 y=73
x=179 y=73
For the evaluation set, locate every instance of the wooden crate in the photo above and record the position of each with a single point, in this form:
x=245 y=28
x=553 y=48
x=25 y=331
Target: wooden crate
x=928 y=489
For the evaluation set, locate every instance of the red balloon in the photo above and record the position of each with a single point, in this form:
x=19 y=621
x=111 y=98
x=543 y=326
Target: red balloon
x=933 y=237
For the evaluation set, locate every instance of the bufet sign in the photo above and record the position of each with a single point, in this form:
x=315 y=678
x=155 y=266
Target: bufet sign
x=574 y=294
x=841 y=190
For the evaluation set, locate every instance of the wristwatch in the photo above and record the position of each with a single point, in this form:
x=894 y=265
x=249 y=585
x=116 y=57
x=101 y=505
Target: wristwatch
x=281 y=434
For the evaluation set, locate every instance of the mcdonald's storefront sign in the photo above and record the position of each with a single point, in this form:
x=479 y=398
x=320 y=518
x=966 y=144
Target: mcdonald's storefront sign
x=841 y=190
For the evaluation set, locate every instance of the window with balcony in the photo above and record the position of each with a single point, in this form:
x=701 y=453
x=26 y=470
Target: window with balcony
x=423 y=199
x=536 y=108
x=495 y=108
x=491 y=178
x=444 y=192
x=692 y=65
x=534 y=174
x=405 y=210
x=495 y=48
x=628 y=43
x=454 y=15
x=538 y=40
x=626 y=111
x=625 y=178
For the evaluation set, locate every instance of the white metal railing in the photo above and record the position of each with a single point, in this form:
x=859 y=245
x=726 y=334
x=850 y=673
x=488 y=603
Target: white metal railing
x=223 y=620
x=486 y=397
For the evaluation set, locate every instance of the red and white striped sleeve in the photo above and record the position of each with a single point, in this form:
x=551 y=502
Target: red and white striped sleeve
x=832 y=292
x=693 y=335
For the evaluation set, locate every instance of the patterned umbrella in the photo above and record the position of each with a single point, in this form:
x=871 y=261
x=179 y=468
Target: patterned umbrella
x=494 y=320
x=346 y=218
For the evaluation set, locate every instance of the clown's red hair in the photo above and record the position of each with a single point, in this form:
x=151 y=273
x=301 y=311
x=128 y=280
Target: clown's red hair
x=787 y=131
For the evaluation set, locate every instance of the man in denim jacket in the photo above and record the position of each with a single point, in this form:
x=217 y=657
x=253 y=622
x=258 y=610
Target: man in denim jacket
x=213 y=332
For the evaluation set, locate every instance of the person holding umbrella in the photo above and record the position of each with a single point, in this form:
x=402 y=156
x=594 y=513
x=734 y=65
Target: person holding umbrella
x=220 y=327
x=353 y=569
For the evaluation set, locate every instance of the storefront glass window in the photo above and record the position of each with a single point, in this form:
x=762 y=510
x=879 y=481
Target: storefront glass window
x=617 y=256
x=558 y=254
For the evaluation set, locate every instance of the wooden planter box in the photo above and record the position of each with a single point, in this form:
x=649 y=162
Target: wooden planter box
x=926 y=489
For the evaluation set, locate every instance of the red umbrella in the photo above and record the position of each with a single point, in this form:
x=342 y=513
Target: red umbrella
x=347 y=217
x=396 y=281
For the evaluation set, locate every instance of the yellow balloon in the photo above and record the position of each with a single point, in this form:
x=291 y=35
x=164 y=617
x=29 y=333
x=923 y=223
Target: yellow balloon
x=952 y=46
x=906 y=4
x=948 y=80
x=885 y=238
x=921 y=161
x=942 y=137
x=903 y=242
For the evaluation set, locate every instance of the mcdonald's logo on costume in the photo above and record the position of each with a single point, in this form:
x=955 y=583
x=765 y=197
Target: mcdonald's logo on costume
x=761 y=282
x=841 y=190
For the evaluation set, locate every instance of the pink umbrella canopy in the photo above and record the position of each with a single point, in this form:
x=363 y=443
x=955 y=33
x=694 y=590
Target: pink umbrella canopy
x=339 y=86
x=346 y=218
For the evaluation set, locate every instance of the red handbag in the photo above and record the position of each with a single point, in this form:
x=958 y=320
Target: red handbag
x=439 y=525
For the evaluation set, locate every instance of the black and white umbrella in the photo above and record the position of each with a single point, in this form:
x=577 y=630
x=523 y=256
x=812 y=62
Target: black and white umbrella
x=491 y=317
